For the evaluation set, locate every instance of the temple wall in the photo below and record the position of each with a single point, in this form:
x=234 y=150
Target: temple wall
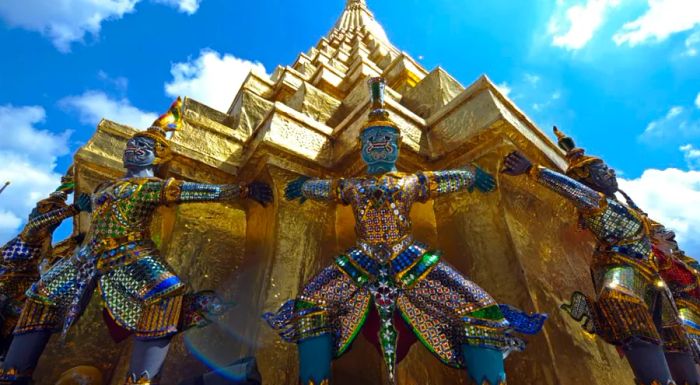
x=521 y=243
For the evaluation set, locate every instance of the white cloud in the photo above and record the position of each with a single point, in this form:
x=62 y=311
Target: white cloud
x=672 y=197
x=697 y=100
x=211 y=78
x=678 y=123
x=187 y=6
x=546 y=102
x=532 y=79
x=573 y=26
x=9 y=225
x=691 y=156
x=67 y=21
x=64 y=21
x=692 y=43
x=21 y=136
x=92 y=106
x=662 y=19
x=674 y=111
x=120 y=83
x=541 y=99
x=504 y=88
x=28 y=157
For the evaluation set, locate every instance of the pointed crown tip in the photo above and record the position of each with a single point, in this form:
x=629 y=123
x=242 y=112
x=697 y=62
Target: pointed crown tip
x=565 y=143
x=378 y=115
x=171 y=120
x=558 y=133
x=579 y=162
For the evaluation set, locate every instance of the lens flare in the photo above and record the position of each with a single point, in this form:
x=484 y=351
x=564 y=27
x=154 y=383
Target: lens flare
x=222 y=344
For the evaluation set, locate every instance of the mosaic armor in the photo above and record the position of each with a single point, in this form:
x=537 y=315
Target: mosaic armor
x=21 y=258
x=141 y=293
x=59 y=251
x=392 y=272
x=682 y=277
x=632 y=300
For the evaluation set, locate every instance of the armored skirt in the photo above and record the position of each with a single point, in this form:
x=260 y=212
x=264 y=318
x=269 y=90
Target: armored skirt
x=21 y=258
x=649 y=309
x=443 y=308
x=689 y=310
x=632 y=303
x=141 y=294
x=680 y=274
x=18 y=271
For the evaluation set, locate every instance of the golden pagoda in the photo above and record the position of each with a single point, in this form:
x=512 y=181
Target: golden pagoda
x=521 y=243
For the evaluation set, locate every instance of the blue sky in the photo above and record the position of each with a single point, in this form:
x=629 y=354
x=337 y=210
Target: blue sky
x=621 y=76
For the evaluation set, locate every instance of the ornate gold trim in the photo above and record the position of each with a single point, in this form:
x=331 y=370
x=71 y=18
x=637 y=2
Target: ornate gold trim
x=655 y=382
x=487 y=382
x=144 y=379
x=534 y=171
x=172 y=189
x=325 y=381
x=14 y=376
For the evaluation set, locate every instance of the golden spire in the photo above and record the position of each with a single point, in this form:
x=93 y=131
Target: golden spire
x=357 y=16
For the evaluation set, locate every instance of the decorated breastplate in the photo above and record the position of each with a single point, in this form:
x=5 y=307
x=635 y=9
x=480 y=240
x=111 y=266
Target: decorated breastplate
x=621 y=231
x=382 y=207
x=121 y=211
